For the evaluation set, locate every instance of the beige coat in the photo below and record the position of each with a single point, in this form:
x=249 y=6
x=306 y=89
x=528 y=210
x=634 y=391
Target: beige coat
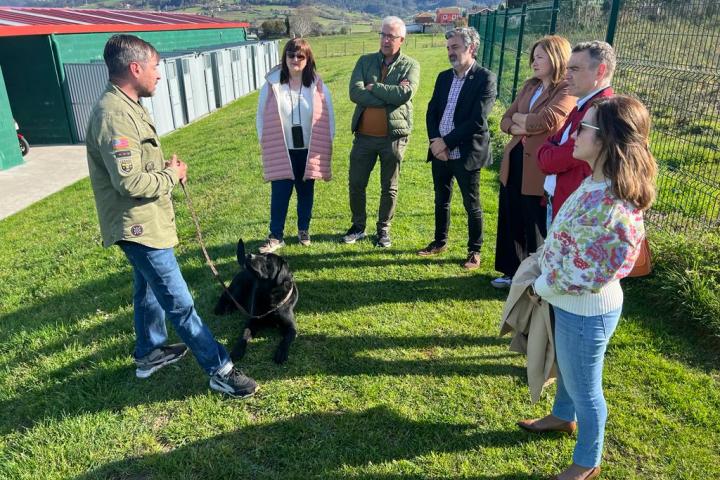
x=545 y=118
x=532 y=327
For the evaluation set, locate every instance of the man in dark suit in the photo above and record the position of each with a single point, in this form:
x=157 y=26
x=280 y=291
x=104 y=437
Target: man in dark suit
x=459 y=139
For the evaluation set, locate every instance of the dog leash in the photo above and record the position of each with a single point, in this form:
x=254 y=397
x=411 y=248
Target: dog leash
x=211 y=264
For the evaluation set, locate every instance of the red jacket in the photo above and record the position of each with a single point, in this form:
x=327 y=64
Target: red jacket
x=556 y=159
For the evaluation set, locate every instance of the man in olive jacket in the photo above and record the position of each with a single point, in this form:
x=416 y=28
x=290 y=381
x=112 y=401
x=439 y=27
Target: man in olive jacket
x=132 y=184
x=382 y=86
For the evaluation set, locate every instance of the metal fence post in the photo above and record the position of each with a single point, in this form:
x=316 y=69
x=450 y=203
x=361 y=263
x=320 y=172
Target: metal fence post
x=612 y=22
x=486 y=54
x=553 y=18
x=502 y=52
x=518 y=54
x=492 y=40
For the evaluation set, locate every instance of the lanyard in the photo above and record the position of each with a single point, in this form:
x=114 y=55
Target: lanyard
x=292 y=106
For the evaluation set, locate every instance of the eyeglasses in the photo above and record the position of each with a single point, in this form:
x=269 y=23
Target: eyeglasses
x=387 y=36
x=292 y=55
x=586 y=125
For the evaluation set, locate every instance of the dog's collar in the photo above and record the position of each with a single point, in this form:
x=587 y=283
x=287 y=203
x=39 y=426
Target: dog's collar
x=279 y=305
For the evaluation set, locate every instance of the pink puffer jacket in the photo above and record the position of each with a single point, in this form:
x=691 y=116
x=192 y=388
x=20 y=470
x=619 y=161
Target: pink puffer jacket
x=275 y=156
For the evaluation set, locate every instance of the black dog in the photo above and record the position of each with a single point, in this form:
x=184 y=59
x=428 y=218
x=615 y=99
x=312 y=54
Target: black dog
x=266 y=290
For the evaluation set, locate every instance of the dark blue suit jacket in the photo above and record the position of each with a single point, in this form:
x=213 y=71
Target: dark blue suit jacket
x=474 y=104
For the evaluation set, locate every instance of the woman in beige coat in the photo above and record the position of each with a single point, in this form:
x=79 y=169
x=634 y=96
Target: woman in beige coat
x=539 y=110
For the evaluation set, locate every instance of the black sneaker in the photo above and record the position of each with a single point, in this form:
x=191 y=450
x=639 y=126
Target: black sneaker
x=383 y=240
x=158 y=358
x=353 y=234
x=235 y=383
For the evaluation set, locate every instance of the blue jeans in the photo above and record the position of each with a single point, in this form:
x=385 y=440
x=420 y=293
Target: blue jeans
x=281 y=191
x=159 y=290
x=580 y=344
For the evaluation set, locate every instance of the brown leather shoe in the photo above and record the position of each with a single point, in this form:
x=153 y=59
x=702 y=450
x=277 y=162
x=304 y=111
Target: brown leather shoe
x=594 y=473
x=432 y=249
x=473 y=261
x=564 y=427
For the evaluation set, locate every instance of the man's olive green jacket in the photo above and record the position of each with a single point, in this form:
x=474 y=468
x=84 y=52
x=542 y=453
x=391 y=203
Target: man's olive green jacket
x=396 y=99
x=131 y=184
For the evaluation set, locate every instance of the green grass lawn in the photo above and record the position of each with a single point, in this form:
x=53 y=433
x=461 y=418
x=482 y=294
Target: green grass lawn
x=397 y=372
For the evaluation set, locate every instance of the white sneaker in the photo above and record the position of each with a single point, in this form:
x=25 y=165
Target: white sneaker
x=304 y=238
x=502 y=282
x=271 y=244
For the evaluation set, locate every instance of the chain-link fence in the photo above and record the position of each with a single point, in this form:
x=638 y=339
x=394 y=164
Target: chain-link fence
x=668 y=56
x=332 y=47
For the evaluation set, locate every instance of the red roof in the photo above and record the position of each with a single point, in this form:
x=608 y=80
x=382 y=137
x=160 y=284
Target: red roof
x=16 y=21
x=449 y=10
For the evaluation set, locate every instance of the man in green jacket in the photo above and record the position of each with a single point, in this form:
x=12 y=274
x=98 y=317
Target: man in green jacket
x=382 y=86
x=132 y=184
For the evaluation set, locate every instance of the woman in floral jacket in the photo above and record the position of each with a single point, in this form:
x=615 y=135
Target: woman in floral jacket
x=593 y=243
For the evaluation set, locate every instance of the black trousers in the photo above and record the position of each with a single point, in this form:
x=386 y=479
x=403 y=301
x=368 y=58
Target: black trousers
x=469 y=183
x=521 y=219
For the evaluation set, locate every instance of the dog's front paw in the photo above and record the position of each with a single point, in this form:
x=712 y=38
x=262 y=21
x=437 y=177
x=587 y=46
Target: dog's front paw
x=281 y=356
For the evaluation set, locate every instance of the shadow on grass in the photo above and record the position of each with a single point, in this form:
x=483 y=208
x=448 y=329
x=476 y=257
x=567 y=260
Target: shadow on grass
x=339 y=295
x=427 y=356
x=89 y=385
x=60 y=313
x=647 y=303
x=318 y=445
x=369 y=257
x=109 y=294
x=508 y=476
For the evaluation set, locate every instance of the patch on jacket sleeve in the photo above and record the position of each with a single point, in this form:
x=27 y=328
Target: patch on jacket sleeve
x=126 y=165
x=122 y=153
x=136 y=230
x=120 y=143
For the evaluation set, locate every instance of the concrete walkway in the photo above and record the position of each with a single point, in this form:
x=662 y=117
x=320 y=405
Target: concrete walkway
x=47 y=169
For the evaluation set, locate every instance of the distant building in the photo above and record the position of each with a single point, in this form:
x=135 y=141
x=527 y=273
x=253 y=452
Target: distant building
x=424 y=18
x=447 y=15
x=40 y=46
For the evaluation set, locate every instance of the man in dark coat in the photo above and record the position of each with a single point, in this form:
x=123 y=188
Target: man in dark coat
x=459 y=139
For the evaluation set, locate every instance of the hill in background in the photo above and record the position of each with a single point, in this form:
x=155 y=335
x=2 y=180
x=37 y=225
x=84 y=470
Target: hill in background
x=327 y=13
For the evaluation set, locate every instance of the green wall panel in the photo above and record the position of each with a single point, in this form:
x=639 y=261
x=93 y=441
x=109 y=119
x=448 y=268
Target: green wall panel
x=9 y=149
x=86 y=47
x=34 y=73
x=35 y=92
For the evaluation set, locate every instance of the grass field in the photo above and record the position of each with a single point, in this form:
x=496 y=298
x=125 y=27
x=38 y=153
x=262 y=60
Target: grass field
x=397 y=373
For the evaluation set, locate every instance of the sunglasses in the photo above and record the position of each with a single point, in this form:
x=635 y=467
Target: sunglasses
x=586 y=125
x=292 y=55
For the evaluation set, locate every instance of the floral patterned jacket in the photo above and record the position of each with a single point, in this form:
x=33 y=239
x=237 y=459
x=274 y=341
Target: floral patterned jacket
x=592 y=243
